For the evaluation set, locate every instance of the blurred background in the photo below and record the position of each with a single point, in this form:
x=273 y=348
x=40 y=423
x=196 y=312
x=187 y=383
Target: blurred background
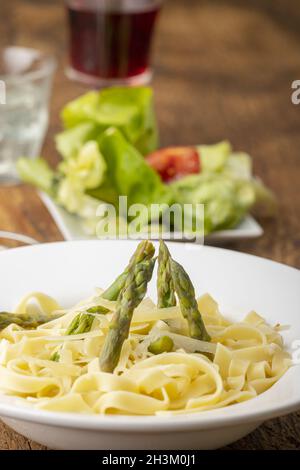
x=222 y=69
x=215 y=58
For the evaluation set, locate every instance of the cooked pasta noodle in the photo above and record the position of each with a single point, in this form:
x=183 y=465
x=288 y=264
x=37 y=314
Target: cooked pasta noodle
x=243 y=360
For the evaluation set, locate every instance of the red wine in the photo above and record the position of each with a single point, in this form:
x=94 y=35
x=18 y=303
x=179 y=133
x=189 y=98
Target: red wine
x=111 y=43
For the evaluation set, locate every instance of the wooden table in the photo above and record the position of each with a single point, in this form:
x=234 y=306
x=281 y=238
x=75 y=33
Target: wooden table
x=223 y=69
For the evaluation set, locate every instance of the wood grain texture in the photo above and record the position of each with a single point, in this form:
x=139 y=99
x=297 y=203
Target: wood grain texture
x=223 y=69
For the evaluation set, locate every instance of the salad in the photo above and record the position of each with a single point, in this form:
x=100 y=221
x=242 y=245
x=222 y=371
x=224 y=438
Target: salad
x=109 y=148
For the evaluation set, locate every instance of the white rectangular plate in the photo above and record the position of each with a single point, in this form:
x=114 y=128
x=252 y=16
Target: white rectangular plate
x=71 y=229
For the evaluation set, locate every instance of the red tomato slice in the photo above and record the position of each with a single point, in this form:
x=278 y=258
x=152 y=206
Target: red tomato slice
x=175 y=162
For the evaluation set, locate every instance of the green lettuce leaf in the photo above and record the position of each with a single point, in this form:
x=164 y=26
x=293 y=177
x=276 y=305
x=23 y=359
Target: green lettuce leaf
x=238 y=165
x=219 y=158
x=266 y=204
x=213 y=157
x=80 y=110
x=36 y=172
x=70 y=141
x=87 y=170
x=71 y=196
x=226 y=200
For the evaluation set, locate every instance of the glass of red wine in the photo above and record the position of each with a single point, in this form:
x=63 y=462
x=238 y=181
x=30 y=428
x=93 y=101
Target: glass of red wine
x=110 y=40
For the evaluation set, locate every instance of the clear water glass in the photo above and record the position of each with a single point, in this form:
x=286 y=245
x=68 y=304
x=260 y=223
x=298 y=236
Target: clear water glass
x=25 y=86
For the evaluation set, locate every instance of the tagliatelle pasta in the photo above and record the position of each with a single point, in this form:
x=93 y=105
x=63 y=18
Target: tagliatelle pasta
x=242 y=360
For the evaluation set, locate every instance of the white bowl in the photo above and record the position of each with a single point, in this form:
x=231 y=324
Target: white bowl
x=70 y=271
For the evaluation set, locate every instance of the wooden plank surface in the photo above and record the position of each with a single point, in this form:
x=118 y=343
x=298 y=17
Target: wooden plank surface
x=223 y=69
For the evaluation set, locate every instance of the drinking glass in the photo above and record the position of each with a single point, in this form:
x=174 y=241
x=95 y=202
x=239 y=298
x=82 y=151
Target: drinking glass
x=110 y=40
x=25 y=84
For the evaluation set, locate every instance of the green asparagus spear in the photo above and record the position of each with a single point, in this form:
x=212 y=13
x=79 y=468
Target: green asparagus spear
x=55 y=357
x=161 y=345
x=25 y=320
x=112 y=292
x=165 y=286
x=82 y=323
x=131 y=295
x=144 y=251
x=188 y=304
